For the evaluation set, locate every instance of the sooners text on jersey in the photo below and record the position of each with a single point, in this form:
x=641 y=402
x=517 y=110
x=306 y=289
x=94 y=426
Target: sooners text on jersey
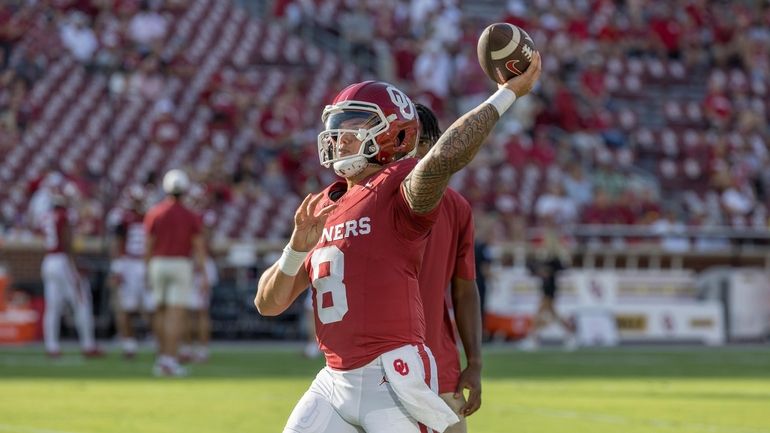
x=364 y=270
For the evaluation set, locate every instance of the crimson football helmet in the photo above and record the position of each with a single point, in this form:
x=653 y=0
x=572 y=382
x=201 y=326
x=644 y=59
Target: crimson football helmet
x=378 y=115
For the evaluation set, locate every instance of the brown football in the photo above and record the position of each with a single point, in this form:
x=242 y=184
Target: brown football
x=504 y=51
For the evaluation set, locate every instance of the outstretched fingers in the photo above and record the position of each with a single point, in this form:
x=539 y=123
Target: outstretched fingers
x=324 y=213
x=311 y=206
x=302 y=209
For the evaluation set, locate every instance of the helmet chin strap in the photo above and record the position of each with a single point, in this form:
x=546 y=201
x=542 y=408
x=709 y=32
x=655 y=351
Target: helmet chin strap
x=350 y=167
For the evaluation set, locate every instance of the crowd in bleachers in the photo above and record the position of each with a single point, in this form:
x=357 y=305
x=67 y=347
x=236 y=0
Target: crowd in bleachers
x=648 y=113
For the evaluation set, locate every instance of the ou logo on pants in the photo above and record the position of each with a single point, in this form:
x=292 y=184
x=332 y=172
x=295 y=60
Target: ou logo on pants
x=401 y=367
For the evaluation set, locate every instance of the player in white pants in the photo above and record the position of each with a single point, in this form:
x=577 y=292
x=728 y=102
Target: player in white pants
x=375 y=398
x=129 y=277
x=128 y=270
x=196 y=348
x=64 y=285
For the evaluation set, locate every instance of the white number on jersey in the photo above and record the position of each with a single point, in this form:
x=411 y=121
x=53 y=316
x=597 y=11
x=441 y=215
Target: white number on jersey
x=135 y=239
x=331 y=295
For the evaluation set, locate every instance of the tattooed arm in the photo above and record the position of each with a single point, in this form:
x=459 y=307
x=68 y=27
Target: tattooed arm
x=426 y=184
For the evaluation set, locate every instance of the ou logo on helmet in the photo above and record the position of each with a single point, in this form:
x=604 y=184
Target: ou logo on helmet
x=401 y=101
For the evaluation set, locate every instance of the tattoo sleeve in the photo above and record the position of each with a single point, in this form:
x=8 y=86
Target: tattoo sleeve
x=425 y=185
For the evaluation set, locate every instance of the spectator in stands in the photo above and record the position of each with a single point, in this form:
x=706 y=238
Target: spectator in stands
x=592 y=81
x=174 y=235
x=577 y=186
x=148 y=27
x=12 y=28
x=165 y=129
x=671 y=232
x=432 y=74
x=469 y=83
x=555 y=206
x=79 y=37
x=717 y=106
x=738 y=201
x=599 y=211
x=607 y=176
x=358 y=27
x=148 y=81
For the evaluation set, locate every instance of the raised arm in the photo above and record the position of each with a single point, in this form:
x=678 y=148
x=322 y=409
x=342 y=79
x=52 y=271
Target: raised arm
x=458 y=145
x=282 y=282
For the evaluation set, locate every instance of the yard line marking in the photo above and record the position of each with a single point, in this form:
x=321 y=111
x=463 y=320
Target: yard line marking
x=23 y=429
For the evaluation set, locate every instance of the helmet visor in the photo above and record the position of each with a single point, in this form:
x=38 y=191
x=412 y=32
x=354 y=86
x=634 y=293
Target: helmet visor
x=348 y=133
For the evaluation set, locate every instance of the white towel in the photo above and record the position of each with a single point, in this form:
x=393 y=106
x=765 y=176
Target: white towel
x=405 y=370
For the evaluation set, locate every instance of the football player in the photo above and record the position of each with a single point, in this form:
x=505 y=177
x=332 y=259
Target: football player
x=360 y=244
x=196 y=342
x=449 y=262
x=173 y=236
x=128 y=273
x=63 y=283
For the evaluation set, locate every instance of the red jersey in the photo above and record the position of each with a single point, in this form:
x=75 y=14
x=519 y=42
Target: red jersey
x=173 y=226
x=364 y=270
x=131 y=230
x=54 y=224
x=449 y=254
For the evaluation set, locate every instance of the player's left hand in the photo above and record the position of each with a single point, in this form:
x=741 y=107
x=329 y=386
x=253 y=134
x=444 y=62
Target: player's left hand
x=470 y=379
x=309 y=223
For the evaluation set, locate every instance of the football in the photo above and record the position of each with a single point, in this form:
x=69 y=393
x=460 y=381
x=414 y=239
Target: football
x=504 y=51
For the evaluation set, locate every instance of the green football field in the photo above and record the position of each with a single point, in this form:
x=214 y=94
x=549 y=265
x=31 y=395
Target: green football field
x=252 y=388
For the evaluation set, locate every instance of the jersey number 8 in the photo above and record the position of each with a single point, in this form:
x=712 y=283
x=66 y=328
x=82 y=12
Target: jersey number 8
x=331 y=300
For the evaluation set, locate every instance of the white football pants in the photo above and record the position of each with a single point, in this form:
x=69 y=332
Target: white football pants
x=63 y=285
x=364 y=400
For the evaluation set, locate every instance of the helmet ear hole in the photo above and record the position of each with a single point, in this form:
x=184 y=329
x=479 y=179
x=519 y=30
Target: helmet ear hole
x=400 y=138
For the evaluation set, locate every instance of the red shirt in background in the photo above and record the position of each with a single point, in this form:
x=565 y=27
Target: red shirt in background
x=173 y=227
x=448 y=254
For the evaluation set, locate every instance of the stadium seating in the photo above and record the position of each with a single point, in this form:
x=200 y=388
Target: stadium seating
x=681 y=119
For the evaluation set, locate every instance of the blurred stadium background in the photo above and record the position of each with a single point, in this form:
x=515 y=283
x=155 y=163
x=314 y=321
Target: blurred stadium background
x=644 y=148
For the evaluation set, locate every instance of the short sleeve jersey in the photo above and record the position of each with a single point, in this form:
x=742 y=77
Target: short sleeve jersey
x=131 y=230
x=364 y=270
x=449 y=253
x=173 y=226
x=53 y=224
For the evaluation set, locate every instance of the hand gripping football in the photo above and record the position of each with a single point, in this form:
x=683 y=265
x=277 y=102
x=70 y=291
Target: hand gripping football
x=504 y=51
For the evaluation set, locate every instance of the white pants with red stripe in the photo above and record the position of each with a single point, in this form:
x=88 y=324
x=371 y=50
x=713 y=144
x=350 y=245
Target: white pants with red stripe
x=63 y=285
x=366 y=400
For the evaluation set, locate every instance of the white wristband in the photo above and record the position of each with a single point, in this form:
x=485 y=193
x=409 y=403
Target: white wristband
x=291 y=261
x=502 y=99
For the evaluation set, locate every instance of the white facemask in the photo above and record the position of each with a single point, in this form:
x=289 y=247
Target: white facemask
x=350 y=167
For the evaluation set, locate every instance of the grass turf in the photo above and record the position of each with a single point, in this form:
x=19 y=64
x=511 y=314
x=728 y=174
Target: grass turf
x=252 y=388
